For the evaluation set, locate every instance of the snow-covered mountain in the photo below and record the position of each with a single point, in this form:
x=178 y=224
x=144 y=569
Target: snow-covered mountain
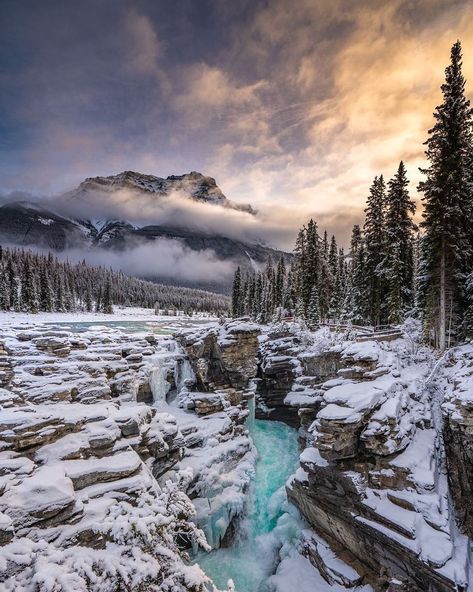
x=193 y=185
x=32 y=224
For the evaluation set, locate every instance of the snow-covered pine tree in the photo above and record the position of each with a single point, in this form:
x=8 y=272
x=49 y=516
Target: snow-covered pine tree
x=374 y=232
x=258 y=296
x=313 y=312
x=280 y=282
x=336 y=298
x=107 y=303
x=4 y=291
x=29 y=295
x=46 y=295
x=88 y=304
x=447 y=199
x=311 y=275
x=399 y=254
x=326 y=280
x=354 y=308
x=98 y=300
x=333 y=256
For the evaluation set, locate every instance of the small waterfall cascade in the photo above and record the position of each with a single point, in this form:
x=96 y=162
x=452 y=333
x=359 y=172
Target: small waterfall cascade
x=183 y=373
x=158 y=382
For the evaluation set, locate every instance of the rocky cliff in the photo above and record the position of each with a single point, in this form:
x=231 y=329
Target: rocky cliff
x=96 y=474
x=455 y=384
x=373 y=473
x=373 y=477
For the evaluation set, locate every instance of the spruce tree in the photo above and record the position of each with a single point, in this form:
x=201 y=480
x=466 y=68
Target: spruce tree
x=107 y=304
x=279 y=283
x=237 y=294
x=333 y=257
x=28 y=289
x=4 y=291
x=313 y=313
x=399 y=256
x=355 y=307
x=46 y=296
x=88 y=300
x=311 y=274
x=374 y=231
x=447 y=202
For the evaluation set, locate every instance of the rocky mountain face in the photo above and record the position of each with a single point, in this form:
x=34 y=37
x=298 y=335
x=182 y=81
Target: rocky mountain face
x=193 y=185
x=28 y=224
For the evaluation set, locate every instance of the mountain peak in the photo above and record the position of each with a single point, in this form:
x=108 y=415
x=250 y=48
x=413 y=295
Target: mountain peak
x=193 y=185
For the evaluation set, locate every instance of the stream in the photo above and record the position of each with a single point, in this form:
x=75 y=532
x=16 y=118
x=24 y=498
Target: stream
x=253 y=556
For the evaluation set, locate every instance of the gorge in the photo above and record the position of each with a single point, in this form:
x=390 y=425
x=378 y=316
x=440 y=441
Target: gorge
x=117 y=439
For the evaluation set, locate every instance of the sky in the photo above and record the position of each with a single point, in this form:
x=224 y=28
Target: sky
x=293 y=106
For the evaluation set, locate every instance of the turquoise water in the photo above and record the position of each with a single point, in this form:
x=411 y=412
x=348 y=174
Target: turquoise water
x=253 y=555
x=126 y=326
x=159 y=327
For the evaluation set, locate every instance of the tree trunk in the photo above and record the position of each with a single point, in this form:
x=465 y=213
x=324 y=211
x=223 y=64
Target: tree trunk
x=442 y=311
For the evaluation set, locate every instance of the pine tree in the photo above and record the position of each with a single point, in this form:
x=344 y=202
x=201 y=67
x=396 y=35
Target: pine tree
x=355 y=306
x=374 y=232
x=88 y=300
x=333 y=257
x=28 y=289
x=46 y=296
x=98 y=300
x=399 y=257
x=311 y=274
x=313 y=313
x=280 y=280
x=236 y=294
x=448 y=204
x=4 y=291
x=107 y=305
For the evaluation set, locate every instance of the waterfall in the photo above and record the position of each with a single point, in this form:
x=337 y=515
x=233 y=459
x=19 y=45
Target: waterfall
x=183 y=372
x=158 y=382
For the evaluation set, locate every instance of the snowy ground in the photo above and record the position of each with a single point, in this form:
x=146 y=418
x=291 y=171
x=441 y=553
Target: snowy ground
x=125 y=313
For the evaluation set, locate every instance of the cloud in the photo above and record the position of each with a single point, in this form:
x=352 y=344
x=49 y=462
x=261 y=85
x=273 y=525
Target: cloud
x=145 y=48
x=166 y=259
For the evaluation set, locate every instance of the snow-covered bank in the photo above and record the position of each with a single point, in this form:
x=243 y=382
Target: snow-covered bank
x=127 y=313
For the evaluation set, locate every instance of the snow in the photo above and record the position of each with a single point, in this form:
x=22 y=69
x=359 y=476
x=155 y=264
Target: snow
x=125 y=313
x=48 y=489
x=124 y=462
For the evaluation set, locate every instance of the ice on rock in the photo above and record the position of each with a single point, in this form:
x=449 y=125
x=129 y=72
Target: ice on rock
x=159 y=383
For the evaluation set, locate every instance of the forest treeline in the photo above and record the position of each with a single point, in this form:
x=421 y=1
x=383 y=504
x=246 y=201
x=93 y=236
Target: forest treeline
x=34 y=282
x=393 y=269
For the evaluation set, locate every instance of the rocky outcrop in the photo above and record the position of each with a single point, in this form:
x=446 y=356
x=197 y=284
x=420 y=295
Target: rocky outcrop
x=457 y=385
x=372 y=479
x=6 y=369
x=224 y=356
x=278 y=369
x=79 y=463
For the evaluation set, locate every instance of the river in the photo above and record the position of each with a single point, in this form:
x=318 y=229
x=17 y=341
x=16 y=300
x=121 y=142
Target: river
x=253 y=556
